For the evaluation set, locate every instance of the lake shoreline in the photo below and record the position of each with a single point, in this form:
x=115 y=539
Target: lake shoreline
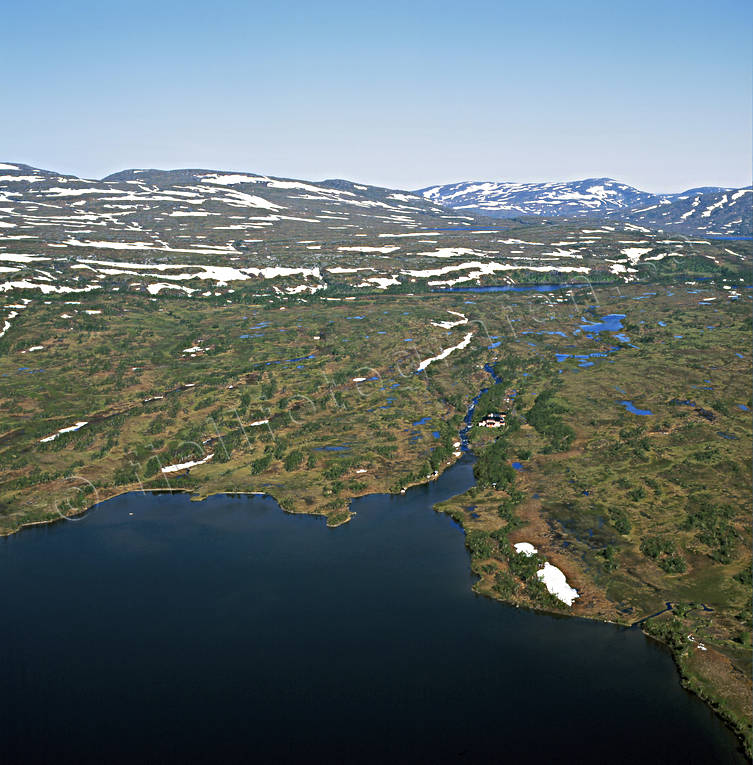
x=345 y=515
x=685 y=679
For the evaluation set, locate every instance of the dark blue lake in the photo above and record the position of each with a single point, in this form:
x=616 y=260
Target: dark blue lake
x=631 y=407
x=156 y=629
x=610 y=323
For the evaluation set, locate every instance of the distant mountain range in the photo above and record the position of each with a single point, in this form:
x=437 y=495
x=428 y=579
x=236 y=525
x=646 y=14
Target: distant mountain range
x=216 y=207
x=708 y=210
x=220 y=209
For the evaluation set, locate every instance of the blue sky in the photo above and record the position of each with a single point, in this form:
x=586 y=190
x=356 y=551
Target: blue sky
x=401 y=94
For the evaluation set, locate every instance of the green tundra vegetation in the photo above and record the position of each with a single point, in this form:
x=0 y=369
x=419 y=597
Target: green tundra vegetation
x=316 y=400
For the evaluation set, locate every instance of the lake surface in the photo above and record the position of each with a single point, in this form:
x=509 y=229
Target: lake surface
x=156 y=629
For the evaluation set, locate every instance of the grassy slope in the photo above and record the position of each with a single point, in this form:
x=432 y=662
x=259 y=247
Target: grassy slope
x=101 y=369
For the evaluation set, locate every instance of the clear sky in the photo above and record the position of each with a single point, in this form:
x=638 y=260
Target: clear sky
x=402 y=94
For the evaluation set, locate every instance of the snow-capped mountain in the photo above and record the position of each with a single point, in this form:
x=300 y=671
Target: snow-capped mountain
x=715 y=212
x=594 y=195
x=708 y=210
x=208 y=233
x=163 y=208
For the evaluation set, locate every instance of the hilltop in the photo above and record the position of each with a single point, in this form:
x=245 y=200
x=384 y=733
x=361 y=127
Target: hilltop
x=710 y=211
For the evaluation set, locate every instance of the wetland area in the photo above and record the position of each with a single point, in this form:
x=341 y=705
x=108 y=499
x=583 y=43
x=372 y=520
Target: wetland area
x=362 y=622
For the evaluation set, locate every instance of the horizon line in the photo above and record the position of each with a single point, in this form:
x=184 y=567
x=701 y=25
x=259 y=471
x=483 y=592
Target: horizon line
x=374 y=185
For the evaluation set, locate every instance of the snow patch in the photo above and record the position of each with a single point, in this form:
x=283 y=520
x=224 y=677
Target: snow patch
x=446 y=352
x=69 y=429
x=556 y=583
x=186 y=465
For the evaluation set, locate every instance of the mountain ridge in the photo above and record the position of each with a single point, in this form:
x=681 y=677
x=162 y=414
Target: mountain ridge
x=707 y=210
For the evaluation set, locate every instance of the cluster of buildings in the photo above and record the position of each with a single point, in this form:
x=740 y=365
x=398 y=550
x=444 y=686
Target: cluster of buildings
x=493 y=420
x=497 y=419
